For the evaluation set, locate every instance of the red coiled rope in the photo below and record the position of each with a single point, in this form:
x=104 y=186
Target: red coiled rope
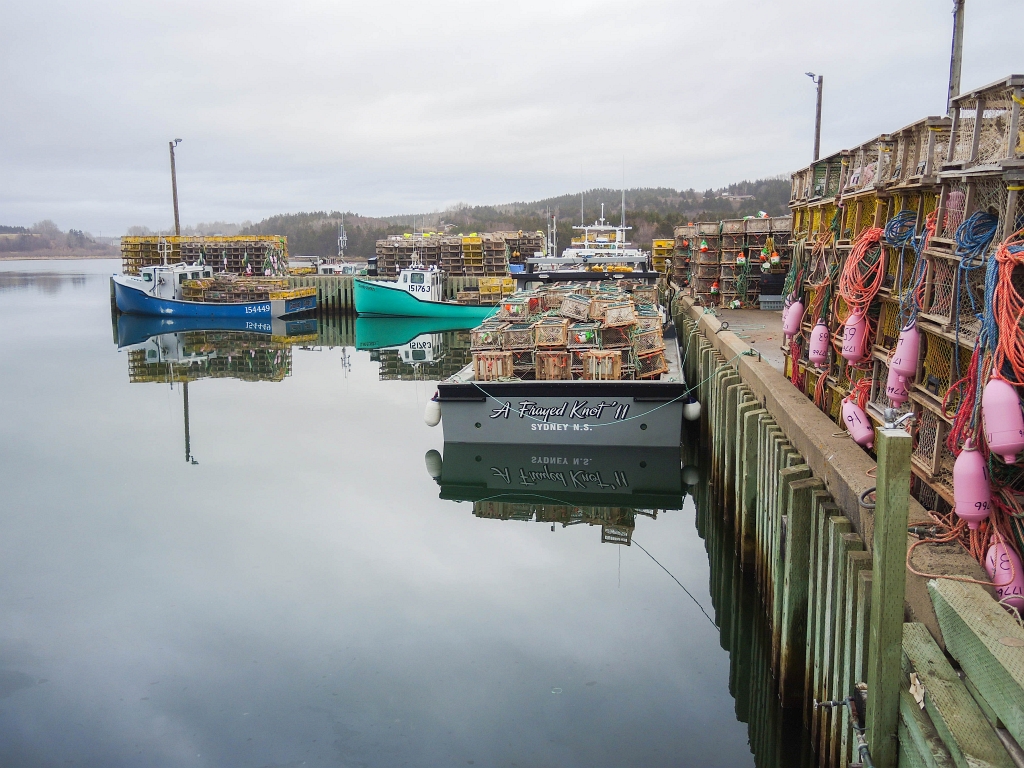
x=862 y=276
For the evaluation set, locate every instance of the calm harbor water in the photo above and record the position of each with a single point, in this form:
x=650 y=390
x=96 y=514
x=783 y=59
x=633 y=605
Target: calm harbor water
x=299 y=593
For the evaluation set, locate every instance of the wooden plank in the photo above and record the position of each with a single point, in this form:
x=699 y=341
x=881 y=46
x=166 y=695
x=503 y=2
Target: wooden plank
x=747 y=500
x=745 y=404
x=836 y=527
x=787 y=477
x=796 y=578
x=919 y=737
x=965 y=731
x=889 y=585
x=987 y=643
x=814 y=592
x=856 y=563
x=732 y=400
x=836 y=686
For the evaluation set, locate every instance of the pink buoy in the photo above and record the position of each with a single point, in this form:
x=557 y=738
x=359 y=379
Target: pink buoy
x=792 y=318
x=896 y=388
x=858 y=424
x=1006 y=572
x=1001 y=415
x=817 y=352
x=971 y=492
x=854 y=335
x=904 y=358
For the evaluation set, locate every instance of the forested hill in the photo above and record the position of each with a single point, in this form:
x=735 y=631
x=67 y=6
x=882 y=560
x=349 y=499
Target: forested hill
x=652 y=212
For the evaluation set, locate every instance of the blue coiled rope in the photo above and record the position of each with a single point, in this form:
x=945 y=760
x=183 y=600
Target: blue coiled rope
x=900 y=232
x=973 y=239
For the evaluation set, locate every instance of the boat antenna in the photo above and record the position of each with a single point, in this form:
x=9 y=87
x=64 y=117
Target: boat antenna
x=623 y=192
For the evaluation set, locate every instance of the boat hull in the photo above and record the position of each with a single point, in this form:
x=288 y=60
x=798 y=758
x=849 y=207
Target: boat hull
x=135 y=302
x=619 y=413
x=378 y=299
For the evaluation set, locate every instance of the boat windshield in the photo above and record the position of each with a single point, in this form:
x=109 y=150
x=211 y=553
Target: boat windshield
x=417 y=277
x=147 y=277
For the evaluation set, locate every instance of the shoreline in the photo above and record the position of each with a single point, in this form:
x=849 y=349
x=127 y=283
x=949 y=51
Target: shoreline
x=55 y=256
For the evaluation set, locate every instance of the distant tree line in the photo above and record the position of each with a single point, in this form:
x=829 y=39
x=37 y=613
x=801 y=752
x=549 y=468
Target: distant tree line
x=652 y=212
x=46 y=236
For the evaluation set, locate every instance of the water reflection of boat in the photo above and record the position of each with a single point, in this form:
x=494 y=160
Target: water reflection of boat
x=135 y=329
x=415 y=348
x=565 y=484
x=187 y=349
x=388 y=332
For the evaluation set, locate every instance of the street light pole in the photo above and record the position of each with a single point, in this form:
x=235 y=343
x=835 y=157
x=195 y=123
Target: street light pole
x=956 y=57
x=818 y=80
x=174 y=187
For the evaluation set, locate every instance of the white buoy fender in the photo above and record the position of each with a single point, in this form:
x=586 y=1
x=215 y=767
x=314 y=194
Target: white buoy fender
x=432 y=413
x=433 y=461
x=691 y=475
x=691 y=410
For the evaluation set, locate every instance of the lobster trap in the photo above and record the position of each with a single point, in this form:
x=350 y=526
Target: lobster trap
x=486 y=337
x=644 y=295
x=517 y=336
x=601 y=364
x=553 y=366
x=648 y=341
x=575 y=307
x=651 y=366
x=584 y=335
x=986 y=125
x=551 y=332
x=491 y=366
x=520 y=310
x=616 y=338
x=617 y=314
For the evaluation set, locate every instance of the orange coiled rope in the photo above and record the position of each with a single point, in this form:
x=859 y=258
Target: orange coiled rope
x=863 y=272
x=1008 y=307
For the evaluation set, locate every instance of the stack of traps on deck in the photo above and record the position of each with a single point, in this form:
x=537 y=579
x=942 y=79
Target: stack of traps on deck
x=573 y=332
x=223 y=289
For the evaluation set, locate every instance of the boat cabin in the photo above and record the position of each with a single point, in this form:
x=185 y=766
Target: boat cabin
x=166 y=281
x=423 y=283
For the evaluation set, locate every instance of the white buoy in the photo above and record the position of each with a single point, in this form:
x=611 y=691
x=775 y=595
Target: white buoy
x=691 y=475
x=432 y=413
x=433 y=461
x=691 y=410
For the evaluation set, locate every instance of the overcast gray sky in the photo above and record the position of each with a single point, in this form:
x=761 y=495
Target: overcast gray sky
x=397 y=107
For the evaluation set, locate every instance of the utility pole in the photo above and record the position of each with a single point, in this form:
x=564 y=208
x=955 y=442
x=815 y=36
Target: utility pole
x=818 y=80
x=174 y=187
x=957 y=55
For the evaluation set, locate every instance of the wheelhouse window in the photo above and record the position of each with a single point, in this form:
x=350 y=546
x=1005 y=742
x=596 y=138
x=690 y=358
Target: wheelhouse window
x=181 y=278
x=147 y=277
x=417 y=277
x=405 y=278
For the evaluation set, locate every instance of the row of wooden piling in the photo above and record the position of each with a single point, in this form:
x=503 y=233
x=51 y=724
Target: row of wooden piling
x=335 y=293
x=833 y=604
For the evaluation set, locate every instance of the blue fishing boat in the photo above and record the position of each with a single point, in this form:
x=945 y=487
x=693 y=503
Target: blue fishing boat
x=161 y=291
x=416 y=293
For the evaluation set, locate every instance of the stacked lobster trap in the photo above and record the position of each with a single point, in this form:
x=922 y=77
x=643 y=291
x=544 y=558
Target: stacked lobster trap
x=723 y=262
x=903 y=296
x=236 y=255
x=476 y=255
x=573 y=331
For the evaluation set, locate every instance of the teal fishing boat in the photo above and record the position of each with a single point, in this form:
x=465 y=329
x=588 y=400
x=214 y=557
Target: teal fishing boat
x=416 y=293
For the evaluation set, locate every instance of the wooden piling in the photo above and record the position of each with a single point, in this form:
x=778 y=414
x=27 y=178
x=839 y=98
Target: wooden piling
x=888 y=592
x=793 y=631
